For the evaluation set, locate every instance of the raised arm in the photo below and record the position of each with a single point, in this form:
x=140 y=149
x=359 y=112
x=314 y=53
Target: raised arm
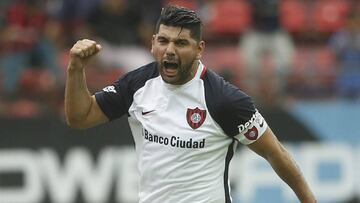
x=81 y=109
x=281 y=161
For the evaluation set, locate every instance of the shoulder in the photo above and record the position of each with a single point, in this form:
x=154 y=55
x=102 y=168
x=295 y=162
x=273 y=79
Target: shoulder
x=222 y=92
x=141 y=74
x=115 y=100
x=227 y=104
x=134 y=80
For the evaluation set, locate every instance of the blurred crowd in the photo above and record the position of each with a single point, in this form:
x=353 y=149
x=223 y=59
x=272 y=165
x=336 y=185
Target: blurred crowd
x=276 y=50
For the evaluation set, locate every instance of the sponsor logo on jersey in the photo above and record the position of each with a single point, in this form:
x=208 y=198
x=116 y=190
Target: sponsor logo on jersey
x=173 y=141
x=252 y=133
x=146 y=112
x=244 y=126
x=109 y=89
x=195 y=117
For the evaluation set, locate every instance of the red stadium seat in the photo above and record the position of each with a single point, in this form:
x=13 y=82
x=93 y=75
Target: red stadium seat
x=314 y=61
x=326 y=63
x=293 y=15
x=226 y=61
x=313 y=73
x=329 y=15
x=23 y=108
x=222 y=56
x=188 y=4
x=229 y=16
x=36 y=81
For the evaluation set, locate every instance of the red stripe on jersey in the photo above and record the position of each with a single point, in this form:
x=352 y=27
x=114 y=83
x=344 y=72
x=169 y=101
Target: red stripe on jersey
x=203 y=72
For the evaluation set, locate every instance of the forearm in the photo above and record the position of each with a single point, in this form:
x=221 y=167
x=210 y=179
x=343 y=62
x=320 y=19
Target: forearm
x=287 y=169
x=77 y=96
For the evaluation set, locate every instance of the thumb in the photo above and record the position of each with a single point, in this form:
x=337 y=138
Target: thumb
x=98 y=47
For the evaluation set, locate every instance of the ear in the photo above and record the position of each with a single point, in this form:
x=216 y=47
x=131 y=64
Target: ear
x=152 y=44
x=201 y=48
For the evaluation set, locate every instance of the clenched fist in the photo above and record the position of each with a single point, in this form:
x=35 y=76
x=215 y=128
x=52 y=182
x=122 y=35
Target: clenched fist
x=81 y=52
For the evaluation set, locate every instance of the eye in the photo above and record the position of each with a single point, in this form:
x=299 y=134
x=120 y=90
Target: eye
x=162 y=40
x=182 y=42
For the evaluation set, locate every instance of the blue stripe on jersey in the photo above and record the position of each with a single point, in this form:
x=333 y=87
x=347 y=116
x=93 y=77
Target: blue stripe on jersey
x=227 y=105
x=228 y=158
x=116 y=104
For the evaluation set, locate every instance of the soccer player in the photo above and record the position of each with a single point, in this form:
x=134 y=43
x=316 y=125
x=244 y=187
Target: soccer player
x=186 y=120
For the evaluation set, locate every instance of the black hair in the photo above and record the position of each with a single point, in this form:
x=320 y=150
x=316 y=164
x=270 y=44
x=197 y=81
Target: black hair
x=178 y=16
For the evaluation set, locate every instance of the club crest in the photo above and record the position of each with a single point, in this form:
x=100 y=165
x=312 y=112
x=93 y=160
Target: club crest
x=195 y=117
x=252 y=133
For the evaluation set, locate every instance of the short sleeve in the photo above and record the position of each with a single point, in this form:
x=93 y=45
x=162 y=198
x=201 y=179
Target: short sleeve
x=242 y=119
x=116 y=99
x=233 y=109
x=113 y=99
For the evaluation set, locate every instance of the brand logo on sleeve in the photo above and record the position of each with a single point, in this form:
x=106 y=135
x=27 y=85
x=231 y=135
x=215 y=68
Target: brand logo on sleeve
x=262 y=123
x=109 y=89
x=195 y=117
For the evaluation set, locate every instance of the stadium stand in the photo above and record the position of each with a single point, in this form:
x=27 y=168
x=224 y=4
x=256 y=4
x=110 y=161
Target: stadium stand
x=313 y=73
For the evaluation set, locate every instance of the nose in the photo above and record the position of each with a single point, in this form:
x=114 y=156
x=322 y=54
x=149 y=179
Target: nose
x=170 y=49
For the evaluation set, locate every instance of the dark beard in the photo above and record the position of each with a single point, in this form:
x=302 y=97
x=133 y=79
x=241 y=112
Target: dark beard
x=185 y=71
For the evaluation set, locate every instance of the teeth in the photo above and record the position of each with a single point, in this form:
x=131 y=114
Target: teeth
x=170 y=64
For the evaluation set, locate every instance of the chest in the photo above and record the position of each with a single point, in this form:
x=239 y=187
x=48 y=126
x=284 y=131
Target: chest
x=168 y=112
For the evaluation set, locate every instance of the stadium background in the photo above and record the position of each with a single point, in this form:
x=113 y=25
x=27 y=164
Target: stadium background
x=42 y=160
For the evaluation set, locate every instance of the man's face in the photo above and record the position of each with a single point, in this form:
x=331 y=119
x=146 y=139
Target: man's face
x=177 y=54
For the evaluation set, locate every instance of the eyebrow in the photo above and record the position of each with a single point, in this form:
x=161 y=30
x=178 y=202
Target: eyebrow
x=182 y=40
x=162 y=37
x=176 y=39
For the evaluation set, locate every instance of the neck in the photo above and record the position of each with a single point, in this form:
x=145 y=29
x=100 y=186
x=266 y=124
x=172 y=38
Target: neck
x=194 y=69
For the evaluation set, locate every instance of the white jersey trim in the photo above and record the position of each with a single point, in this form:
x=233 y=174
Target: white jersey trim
x=252 y=130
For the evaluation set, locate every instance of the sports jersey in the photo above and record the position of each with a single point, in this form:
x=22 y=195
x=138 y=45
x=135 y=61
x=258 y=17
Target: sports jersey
x=185 y=135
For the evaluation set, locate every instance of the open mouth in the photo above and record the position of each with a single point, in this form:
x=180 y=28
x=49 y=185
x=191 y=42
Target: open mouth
x=170 y=65
x=170 y=68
